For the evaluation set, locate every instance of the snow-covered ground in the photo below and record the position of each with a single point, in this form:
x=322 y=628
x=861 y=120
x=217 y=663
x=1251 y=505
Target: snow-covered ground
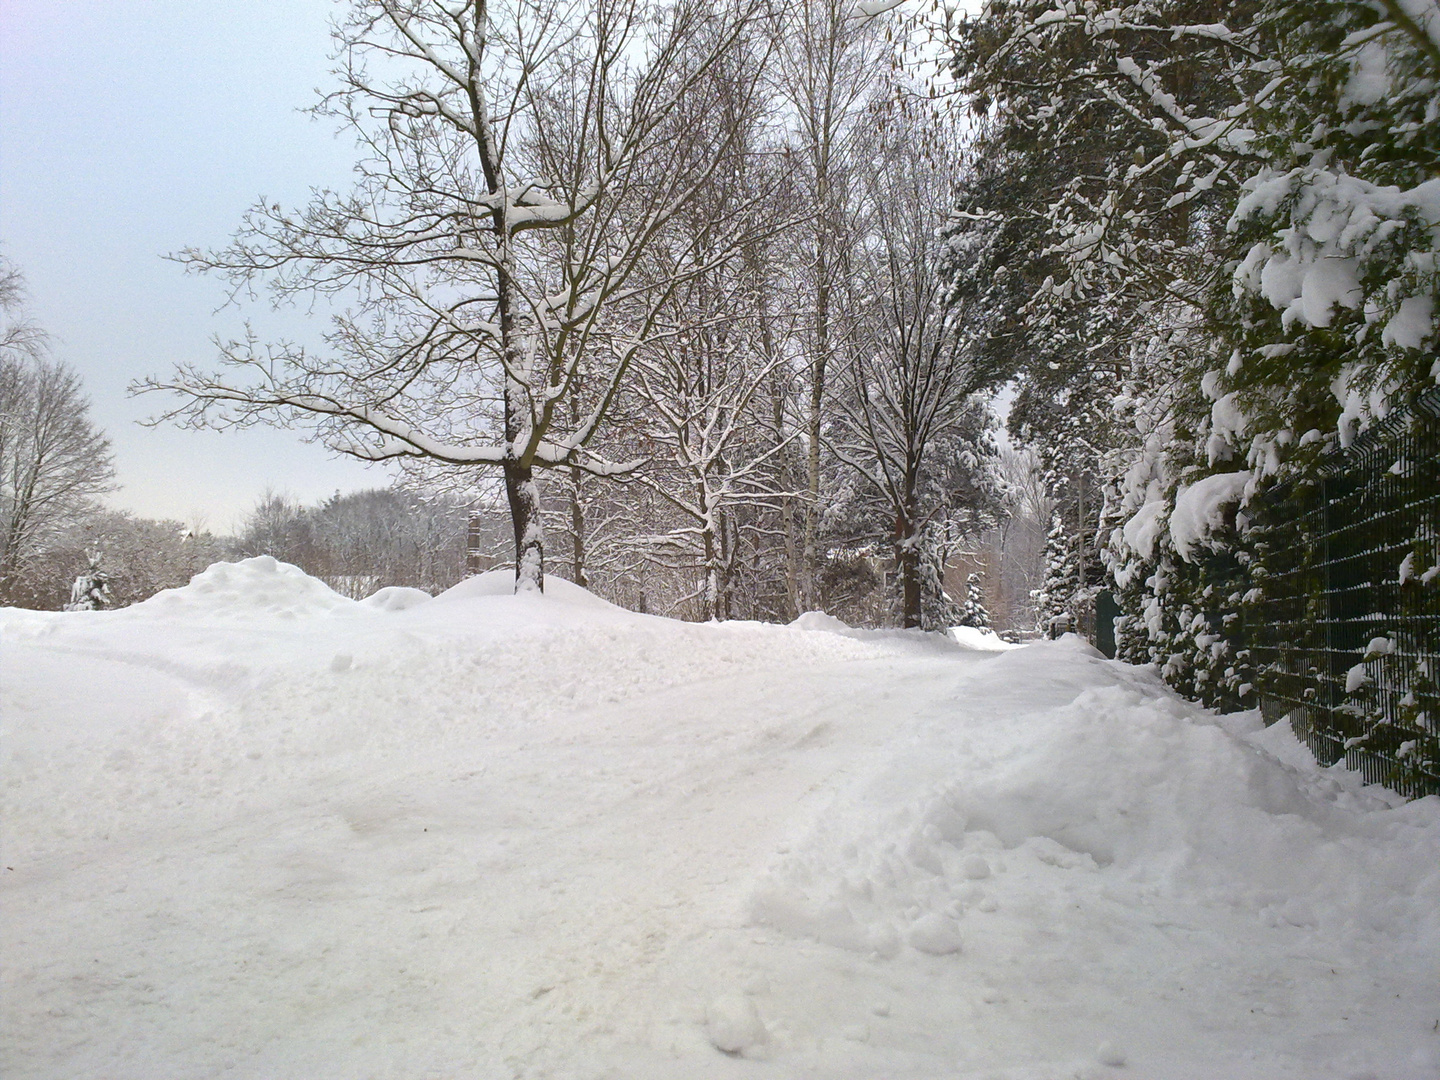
x=254 y=829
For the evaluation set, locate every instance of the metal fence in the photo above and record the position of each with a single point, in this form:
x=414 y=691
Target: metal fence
x=1345 y=636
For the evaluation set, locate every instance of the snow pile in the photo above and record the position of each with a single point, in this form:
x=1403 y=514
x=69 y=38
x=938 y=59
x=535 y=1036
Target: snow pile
x=395 y=598
x=499 y=835
x=823 y=623
x=502 y=583
x=972 y=637
x=1122 y=778
x=257 y=588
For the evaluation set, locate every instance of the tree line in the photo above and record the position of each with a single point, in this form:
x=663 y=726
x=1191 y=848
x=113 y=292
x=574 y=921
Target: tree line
x=708 y=296
x=1210 y=236
x=670 y=280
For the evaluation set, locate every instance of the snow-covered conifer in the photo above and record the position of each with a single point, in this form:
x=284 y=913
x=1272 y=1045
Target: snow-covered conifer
x=974 y=612
x=91 y=590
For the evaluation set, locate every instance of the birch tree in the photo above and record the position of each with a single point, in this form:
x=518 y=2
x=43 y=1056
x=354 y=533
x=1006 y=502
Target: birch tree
x=701 y=381
x=511 y=184
x=832 y=55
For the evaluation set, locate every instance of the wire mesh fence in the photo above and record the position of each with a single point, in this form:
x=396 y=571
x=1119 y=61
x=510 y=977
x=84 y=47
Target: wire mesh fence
x=1345 y=634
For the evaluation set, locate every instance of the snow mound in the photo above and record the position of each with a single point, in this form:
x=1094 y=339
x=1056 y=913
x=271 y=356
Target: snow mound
x=396 y=598
x=734 y=1025
x=827 y=624
x=972 y=637
x=606 y=843
x=886 y=637
x=1115 y=775
x=502 y=583
x=1074 y=643
x=262 y=587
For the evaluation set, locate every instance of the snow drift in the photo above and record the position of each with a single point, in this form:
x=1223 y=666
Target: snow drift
x=256 y=828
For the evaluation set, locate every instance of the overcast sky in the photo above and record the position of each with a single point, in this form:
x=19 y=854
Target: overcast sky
x=133 y=128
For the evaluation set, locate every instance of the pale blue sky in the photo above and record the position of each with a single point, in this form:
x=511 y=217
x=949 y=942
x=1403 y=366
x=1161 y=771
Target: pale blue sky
x=132 y=128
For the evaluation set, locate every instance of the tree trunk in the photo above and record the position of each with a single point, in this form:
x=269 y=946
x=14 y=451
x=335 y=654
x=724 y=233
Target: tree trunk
x=577 y=527
x=793 y=592
x=520 y=489
x=712 y=579
x=729 y=546
x=577 y=506
x=524 y=499
x=1082 y=572
x=711 y=547
x=810 y=559
x=907 y=560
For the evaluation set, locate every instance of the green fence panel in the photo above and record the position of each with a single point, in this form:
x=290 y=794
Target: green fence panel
x=1346 y=639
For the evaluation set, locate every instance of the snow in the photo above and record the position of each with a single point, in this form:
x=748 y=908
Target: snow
x=1337 y=223
x=395 y=598
x=1411 y=324
x=252 y=828
x=258 y=588
x=1144 y=528
x=973 y=637
x=1200 y=509
x=734 y=1025
x=1407 y=568
x=1369 y=81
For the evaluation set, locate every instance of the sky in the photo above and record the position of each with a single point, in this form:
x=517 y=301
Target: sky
x=130 y=129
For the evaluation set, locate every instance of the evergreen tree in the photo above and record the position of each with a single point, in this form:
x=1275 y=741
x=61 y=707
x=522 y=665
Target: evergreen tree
x=938 y=610
x=1053 y=600
x=1237 y=222
x=91 y=590
x=974 y=612
x=1329 y=311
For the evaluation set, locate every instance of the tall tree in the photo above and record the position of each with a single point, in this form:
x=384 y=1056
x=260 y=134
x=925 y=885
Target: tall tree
x=513 y=182
x=832 y=58
x=911 y=376
x=53 y=459
x=700 y=383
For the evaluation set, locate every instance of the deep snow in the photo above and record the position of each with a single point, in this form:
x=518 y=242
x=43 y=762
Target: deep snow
x=254 y=829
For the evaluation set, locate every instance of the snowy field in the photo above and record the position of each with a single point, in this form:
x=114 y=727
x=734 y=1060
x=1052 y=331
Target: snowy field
x=254 y=829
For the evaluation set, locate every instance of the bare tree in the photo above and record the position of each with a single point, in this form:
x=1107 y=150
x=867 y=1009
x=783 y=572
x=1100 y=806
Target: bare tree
x=53 y=460
x=20 y=335
x=513 y=181
x=832 y=57
x=911 y=379
x=703 y=376
x=702 y=390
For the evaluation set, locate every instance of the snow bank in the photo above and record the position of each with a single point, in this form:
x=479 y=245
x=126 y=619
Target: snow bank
x=972 y=637
x=258 y=588
x=396 y=598
x=513 y=835
x=263 y=587
x=820 y=623
x=502 y=583
x=1120 y=788
x=825 y=624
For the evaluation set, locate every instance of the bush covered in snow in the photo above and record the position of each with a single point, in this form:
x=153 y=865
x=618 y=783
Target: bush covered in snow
x=1230 y=216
